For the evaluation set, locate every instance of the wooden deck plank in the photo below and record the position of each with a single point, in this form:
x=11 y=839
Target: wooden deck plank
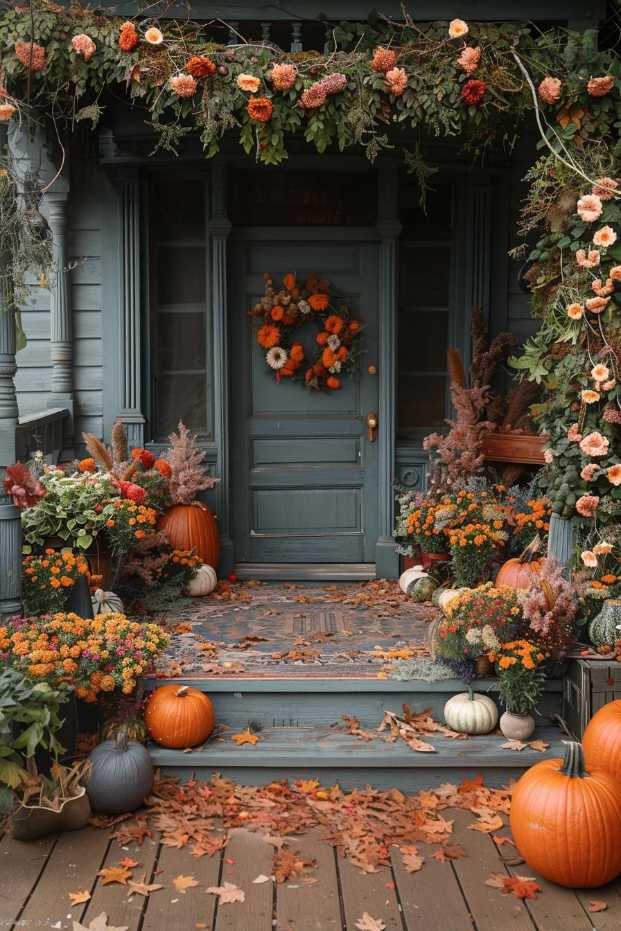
x=610 y=920
x=490 y=909
x=314 y=907
x=71 y=867
x=113 y=898
x=246 y=857
x=430 y=898
x=20 y=867
x=555 y=907
x=171 y=909
x=368 y=892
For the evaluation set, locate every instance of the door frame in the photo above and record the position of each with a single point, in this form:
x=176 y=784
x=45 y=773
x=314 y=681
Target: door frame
x=386 y=234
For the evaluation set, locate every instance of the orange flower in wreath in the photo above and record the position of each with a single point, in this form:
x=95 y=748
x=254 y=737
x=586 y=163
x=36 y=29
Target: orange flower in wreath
x=277 y=313
x=333 y=383
x=289 y=281
x=318 y=368
x=309 y=374
x=342 y=354
x=322 y=338
x=328 y=358
x=296 y=353
x=334 y=324
x=319 y=301
x=260 y=109
x=354 y=326
x=268 y=336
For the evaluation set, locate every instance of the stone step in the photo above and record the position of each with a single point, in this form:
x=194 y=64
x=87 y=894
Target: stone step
x=331 y=756
x=306 y=702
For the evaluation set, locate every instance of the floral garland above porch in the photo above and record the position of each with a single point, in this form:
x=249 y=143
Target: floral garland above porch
x=286 y=313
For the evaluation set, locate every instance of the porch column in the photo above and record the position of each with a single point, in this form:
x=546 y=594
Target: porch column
x=389 y=228
x=61 y=338
x=219 y=229
x=10 y=524
x=127 y=183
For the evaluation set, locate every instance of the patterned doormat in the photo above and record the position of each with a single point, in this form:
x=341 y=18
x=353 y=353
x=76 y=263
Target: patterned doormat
x=304 y=630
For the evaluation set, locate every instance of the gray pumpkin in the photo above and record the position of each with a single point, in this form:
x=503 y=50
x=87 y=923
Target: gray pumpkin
x=121 y=775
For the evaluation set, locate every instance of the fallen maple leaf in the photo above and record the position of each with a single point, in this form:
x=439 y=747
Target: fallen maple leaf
x=596 y=905
x=487 y=824
x=289 y=864
x=245 y=737
x=78 y=898
x=98 y=924
x=538 y=745
x=449 y=852
x=114 y=874
x=514 y=745
x=261 y=878
x=502 y=839
x=227 y=894
x=367 y=923
x=142 y=887
x=411 y=859
x=522 y=887
x=181 y=883
x=127 y=863
x=306 y=785
x=471 y=785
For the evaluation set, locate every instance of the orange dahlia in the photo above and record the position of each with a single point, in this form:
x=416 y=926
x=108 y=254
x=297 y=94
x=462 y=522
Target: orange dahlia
x=296 y=352
x=334 y=324
x=328 y=358
x=277 y=313
x=283 y=76
x=268 y=336
x=260 y=109
x=319 y=301
x=333 y=383
x=128 y=38
x=87 y=465
x=163 y=467
x=322 y=338
x=354 y=326
x=383 y=59
x=199 y=66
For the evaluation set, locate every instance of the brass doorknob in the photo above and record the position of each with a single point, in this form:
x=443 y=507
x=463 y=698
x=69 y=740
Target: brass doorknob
x=372 y=425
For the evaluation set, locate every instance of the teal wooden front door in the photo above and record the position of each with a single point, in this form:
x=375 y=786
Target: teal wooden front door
x=305 y=472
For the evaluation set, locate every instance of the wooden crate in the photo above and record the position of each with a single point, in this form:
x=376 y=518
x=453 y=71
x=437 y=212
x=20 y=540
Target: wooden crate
x=588 y=685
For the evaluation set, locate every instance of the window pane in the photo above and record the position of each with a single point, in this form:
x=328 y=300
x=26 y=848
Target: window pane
x=422 y=400
x=181 y=341
x=180 y=397
x=423 y=337
x=180 y=274
x=177 y=208
x=424 y=275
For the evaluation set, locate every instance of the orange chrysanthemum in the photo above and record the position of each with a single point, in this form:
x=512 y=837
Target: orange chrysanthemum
x=277 y=313
x=260 y=109
x=283 y=76
x=128 y=38
x=268 y=336
x=296 y=353
x=354 y=326
x=328 y=358
x=199 y=66
x=333 y=383
x=322 y=338
x=319 y=301
x=163 y=467
x=87 y=465
x=383 y=59
x=289 y=281
x=31 y=55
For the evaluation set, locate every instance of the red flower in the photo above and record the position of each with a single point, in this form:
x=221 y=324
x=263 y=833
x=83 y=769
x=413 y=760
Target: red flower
x=473 y=92
x=131 y=491
x=144 y=457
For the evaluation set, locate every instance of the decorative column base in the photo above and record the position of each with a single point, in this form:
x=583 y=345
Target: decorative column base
x=561 y=540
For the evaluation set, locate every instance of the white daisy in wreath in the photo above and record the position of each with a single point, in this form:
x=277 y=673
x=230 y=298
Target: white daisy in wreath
x=276 y=357
x=335 y=368
x=333 y=342
x=304 y=307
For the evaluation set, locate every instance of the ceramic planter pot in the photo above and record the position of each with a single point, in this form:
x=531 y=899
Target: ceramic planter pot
x=428 y=560
x=483 y=666
x=517 y=726
x=32 y=821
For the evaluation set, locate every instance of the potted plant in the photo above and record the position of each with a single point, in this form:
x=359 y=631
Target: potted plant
x=520 y=684
x=49 y=580
x=189 y=524
x=29 y=723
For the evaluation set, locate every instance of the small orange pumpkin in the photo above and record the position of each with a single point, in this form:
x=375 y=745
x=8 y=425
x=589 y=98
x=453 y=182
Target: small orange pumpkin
x=602 y=740
x=179 y=716
x=193 y=526
x=566 y=822
x=520 y=571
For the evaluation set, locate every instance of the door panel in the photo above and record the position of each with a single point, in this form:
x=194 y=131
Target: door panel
x=305 y=473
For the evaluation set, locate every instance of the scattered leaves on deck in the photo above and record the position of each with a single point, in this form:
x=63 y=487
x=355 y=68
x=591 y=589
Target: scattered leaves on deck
x=245 y=737
x=288 y=864
x=597 y=905
x=522 y=887
x=367 y=923
x=98 y=924
x=114 y=874
x=227 y=894
x=142 y=887
x=183 y=883
x=78 y=898
x=519 y=745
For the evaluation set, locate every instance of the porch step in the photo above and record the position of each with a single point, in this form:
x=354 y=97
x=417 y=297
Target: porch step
x=331 y=756
x=309 y=702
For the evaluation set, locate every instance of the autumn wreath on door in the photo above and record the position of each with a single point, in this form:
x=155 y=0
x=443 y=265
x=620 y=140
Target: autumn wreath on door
x=307 y=335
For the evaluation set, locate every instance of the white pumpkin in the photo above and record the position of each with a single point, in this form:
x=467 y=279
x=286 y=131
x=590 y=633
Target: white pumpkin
x=471 y=713
x=106 y=603
x=203 y=582
x=410 y=576
x=447 y=596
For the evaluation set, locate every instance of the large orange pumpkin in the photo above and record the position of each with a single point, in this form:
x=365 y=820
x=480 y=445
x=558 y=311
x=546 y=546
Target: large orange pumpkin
x=602 y=740
x=179 y=716
x=520 y=572
x=566 y=822
x=193 y=526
